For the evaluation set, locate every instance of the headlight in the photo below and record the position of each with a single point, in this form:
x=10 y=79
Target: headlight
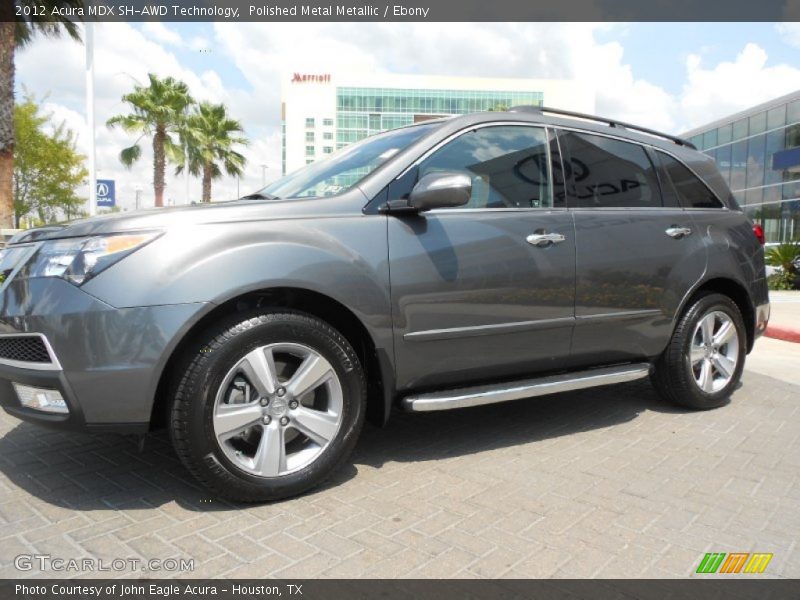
x=79 y=259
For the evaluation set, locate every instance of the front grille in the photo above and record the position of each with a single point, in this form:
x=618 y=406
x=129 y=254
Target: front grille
x=30 y=349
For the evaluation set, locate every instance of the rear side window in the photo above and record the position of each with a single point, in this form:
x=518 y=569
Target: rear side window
x=680 y=184
x=608 y=173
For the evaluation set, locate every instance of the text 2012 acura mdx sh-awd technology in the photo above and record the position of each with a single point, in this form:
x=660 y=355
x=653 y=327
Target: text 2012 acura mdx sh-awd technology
x=452 y=263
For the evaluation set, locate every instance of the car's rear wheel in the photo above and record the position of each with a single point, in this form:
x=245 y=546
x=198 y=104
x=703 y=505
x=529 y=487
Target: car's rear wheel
x=269 y=405
x=703 y=362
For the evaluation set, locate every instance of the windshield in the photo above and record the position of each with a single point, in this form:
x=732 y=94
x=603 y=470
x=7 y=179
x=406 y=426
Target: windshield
x=345 y=168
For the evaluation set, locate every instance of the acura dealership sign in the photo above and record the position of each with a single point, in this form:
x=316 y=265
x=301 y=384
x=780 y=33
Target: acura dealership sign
x=106 y=193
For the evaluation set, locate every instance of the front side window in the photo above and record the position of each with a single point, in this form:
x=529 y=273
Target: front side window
x=508 y=166
x=680 y=183
x=608 y=173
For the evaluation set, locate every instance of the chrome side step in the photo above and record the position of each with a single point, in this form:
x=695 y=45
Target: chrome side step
x=515 y=390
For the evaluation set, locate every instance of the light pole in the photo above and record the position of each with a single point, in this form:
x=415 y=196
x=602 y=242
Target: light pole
x=138 y=195
x=187 y=196
x=263 y=175
x=89 y=43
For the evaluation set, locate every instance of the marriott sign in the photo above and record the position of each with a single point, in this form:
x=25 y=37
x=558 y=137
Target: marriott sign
x=306 y=78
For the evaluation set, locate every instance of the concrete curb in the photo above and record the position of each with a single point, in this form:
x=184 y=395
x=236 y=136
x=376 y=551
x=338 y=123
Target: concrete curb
x=783 y=333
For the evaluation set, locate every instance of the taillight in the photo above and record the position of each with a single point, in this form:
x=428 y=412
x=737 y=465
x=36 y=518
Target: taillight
x=758 y=230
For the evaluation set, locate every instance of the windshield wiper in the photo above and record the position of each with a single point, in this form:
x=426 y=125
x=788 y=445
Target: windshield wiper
x=259 y=196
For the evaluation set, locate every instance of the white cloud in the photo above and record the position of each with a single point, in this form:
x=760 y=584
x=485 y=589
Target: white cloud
x=713 y=92
x=161 y=33
x=198 y=43
x=790 y=33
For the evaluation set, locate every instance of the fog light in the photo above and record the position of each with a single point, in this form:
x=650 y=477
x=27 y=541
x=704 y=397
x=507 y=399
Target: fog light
x=41 y=399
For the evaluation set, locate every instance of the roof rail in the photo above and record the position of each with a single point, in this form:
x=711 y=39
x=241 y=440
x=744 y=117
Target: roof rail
x=609 y=122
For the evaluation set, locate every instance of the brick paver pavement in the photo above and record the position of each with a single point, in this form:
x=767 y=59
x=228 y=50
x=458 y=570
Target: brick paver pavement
x=608 y=482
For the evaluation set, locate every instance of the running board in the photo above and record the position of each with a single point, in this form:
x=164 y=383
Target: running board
x=515 y=390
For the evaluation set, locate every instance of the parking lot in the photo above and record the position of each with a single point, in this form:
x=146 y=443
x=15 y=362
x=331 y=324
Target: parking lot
x=608 y=482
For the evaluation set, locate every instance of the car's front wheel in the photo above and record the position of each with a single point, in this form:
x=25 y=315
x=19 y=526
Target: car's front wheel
x=268 y=406
x=703 y=362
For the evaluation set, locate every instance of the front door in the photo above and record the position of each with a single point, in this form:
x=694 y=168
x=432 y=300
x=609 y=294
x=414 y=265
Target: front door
x=477 y=292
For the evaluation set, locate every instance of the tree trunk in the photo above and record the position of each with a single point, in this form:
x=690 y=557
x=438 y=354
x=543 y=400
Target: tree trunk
x=6 y=118
x=159 y=164
x=207 y=169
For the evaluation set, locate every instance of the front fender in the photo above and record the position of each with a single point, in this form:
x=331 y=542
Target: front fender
x=341 y=257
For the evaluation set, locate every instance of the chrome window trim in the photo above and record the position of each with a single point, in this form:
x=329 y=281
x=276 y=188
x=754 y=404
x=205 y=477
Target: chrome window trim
x=555 y=129
x=53 y=365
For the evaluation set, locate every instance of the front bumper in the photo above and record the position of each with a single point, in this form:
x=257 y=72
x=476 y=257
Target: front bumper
x=108 y=361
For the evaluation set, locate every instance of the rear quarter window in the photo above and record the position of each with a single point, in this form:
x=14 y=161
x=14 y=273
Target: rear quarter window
x=680 y=184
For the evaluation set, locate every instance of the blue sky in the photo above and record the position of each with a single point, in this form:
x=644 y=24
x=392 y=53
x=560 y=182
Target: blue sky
x=715 y=42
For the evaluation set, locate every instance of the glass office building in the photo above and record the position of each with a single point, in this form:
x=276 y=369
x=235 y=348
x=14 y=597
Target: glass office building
x=323 y=112
x=758 y=153
x=361 y=112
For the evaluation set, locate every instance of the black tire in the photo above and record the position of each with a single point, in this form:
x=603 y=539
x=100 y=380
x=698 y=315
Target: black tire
x=673 y=376
x=206 y=366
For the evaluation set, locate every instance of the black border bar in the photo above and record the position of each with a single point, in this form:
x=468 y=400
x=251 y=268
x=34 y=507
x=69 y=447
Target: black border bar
x=708 y=588
x=242 y=11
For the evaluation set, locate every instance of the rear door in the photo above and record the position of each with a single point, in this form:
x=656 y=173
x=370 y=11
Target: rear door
x=474 y=295
x=637 y=251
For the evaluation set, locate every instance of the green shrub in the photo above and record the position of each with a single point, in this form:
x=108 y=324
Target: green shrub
x=781 y=281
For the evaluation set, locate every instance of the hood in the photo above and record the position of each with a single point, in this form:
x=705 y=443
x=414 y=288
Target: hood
x=195 y=214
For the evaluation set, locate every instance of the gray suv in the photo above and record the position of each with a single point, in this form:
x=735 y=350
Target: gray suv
x=448 y=264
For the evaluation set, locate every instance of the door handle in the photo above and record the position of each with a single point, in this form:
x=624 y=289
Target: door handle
x=542 y=240
x=678 y=232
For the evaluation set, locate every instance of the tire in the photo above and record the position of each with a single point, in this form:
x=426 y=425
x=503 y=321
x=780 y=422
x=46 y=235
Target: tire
x=689 y=374
x=243 y=424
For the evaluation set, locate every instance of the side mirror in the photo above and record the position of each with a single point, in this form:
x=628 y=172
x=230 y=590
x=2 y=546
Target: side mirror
x=444 y=189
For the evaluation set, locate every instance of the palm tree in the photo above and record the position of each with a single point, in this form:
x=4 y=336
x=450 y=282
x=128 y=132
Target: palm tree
x=16 y=31
x=210 y=135
x=158 y=110
x=784 y=256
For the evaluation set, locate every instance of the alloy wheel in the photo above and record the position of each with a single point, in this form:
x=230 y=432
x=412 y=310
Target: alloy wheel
x=278 y=409
x=714 y=351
